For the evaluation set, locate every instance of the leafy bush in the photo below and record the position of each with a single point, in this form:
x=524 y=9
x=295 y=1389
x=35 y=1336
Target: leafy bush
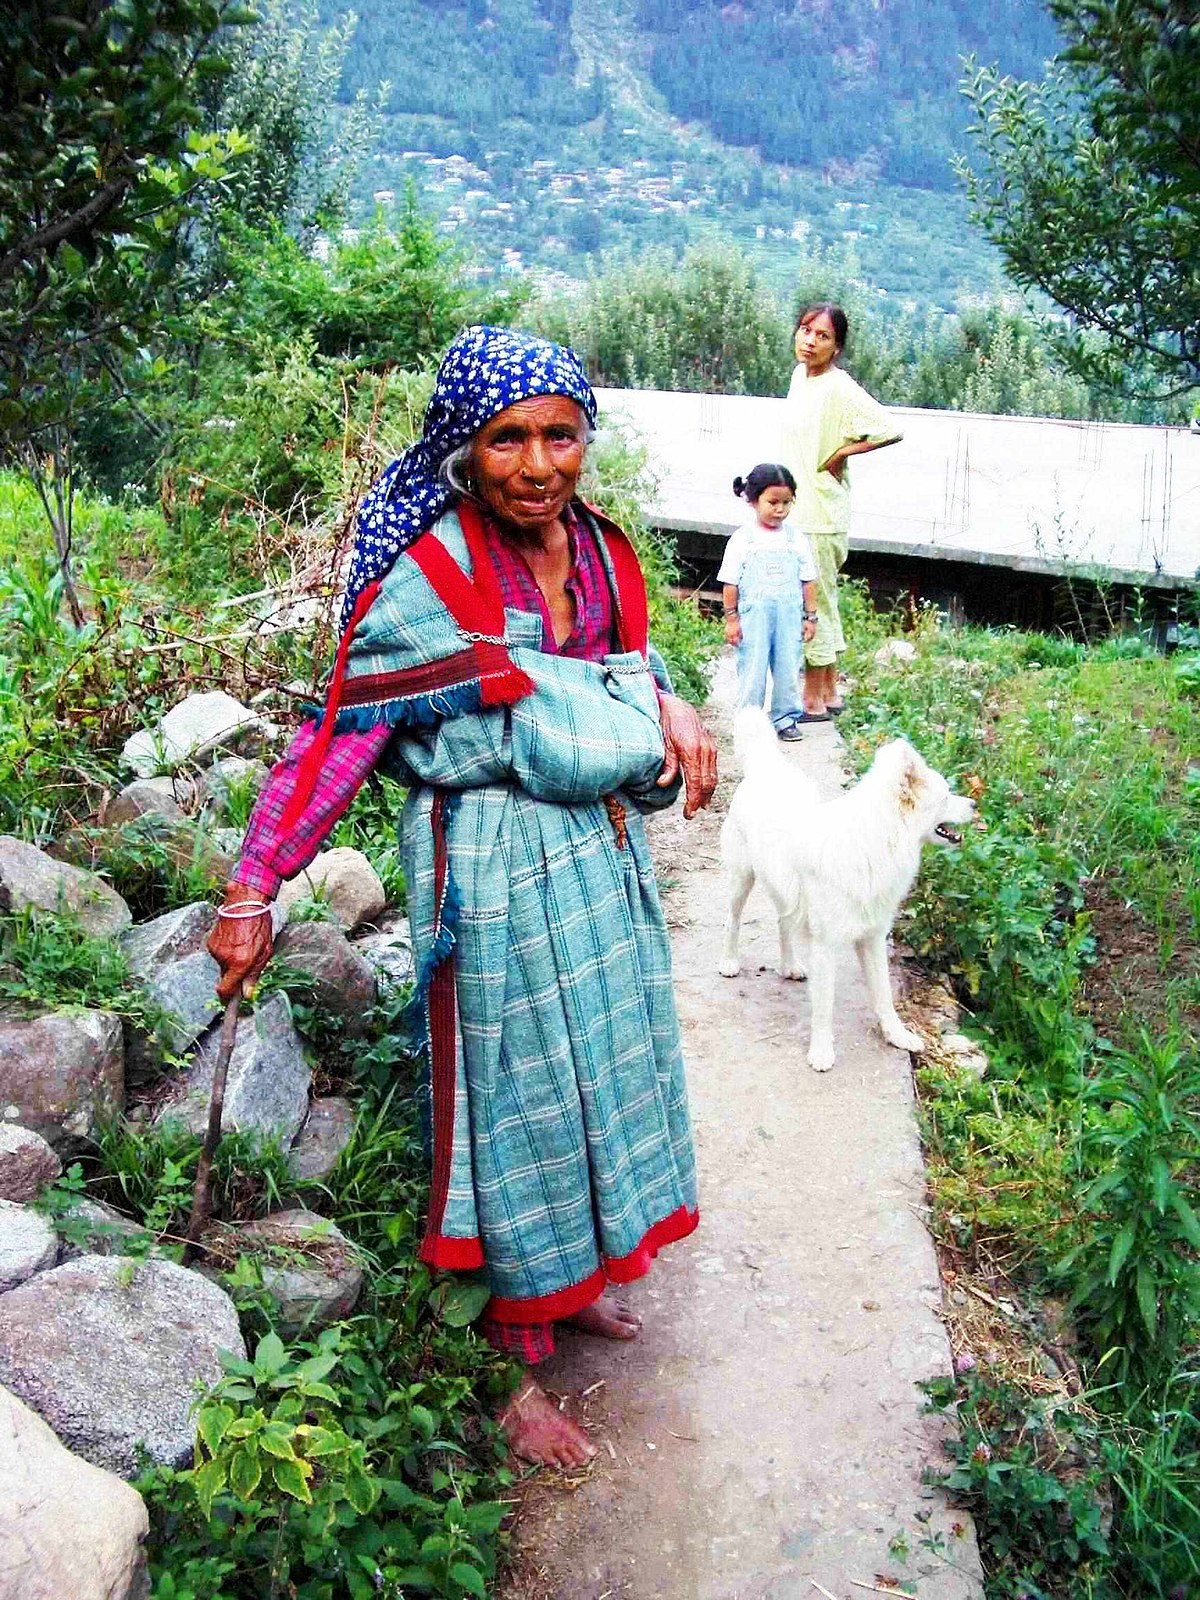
x=703 y=323
x=1043 y=1537
x=304 y=1482
x=1135 y=1279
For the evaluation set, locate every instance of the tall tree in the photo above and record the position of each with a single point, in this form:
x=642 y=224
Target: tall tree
x=102 y=158
x=1090 y=185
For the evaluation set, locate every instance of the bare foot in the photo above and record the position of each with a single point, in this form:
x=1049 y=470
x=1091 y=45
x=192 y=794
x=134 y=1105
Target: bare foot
x=538 y=1431
x=607 y=1319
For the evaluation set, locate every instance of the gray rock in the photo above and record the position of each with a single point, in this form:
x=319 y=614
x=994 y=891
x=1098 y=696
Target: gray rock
x=68 y=1530
x=225 y=774
x=268 y=1083
x=191 y=730
x=390 y=952
x=188 y=990
x=30 y=877
x=27 y=1163
x=61 y=1073
x=345 y=880
x=900 y=652
x=28 y=1244
x=183 y=842
x=308 y=1267
x=327 y=1131
x=168 y=798
x=965 y=1054
x=344 y=984
x=90 y=1228
x=111 y=1352
x=228 y=841
x=168 y=938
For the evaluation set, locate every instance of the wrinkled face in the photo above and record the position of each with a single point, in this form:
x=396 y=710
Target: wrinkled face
x=816 y=343
x=525 y=462
x=774 y=504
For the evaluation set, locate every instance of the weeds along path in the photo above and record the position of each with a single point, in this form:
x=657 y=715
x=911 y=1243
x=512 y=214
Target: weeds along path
x=764 y=1438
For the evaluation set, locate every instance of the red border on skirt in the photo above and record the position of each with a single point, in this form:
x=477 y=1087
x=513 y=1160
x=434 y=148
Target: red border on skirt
x=452 y=1255
x=616 y=1269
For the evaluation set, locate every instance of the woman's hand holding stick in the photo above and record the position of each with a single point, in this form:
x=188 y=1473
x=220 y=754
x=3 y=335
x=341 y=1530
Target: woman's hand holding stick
x=241 y=942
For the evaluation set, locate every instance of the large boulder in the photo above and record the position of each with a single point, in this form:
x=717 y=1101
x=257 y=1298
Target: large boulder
x=90 y=1228
x=327 y=1131
x=187 y=991
x=29 y=877
x=229 y=773
x=268 y=1083
x=345 y=881
x=343 y=983
x=152 y=836
x=111 y=1353
x=27 y=1163
x=190 y=731
x=166 y=798
x=308 y=1267
x=28 y=1244
x=389 y=950
x=62 y=1073
x=168 y=938
x=68 y=1530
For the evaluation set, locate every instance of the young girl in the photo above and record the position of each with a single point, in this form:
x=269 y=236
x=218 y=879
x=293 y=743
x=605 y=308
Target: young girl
x=767 y=577
x=829 y=418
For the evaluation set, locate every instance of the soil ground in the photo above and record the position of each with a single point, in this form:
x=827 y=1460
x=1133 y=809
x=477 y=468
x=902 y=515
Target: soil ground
x=764 y=1438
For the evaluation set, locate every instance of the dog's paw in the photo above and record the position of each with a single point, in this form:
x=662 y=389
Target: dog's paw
x=820 y=1057
x=794 y=973
x=729 y=969
x=903 y=1039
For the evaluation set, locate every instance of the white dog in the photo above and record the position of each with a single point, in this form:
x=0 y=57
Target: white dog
x=836 y=870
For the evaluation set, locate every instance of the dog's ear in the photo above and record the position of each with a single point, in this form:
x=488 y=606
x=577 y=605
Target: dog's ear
x=912 y=779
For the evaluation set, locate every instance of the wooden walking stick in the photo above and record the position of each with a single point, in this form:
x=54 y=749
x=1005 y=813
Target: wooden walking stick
x=202 y=1189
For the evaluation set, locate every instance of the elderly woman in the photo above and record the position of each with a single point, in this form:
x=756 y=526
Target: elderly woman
x=494 y=658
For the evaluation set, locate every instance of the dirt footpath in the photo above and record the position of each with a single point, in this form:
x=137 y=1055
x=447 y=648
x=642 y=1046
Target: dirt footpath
x=763 y=1439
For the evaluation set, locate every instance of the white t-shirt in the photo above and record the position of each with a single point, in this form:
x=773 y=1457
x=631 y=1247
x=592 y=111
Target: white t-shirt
x=753 y=539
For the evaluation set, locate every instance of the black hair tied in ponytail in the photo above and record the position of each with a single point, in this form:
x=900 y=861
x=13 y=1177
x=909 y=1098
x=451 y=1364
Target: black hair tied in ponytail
x=767 y=475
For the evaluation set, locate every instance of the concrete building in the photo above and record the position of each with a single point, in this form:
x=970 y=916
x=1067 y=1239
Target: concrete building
x=982 y=515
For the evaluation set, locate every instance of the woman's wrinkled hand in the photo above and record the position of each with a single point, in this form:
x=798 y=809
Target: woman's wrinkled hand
x=689 y=747
x=241 y=946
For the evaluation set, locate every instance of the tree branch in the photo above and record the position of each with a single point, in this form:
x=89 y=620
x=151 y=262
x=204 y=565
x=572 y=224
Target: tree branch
x=54 y=233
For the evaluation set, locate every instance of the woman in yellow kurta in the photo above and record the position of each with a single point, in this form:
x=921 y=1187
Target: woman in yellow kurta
x=828 y=419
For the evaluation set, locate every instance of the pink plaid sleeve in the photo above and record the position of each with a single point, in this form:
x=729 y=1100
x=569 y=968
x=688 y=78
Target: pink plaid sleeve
x=269 y=856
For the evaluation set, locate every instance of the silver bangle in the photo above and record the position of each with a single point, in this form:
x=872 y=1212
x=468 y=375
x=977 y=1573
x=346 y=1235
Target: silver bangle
x=242 y=910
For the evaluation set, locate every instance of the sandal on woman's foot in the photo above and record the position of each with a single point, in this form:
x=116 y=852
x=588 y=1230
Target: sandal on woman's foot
x=811 y=716
x=836 y=711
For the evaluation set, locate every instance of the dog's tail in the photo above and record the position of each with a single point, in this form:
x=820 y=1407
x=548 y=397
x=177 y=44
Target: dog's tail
x=754 y=739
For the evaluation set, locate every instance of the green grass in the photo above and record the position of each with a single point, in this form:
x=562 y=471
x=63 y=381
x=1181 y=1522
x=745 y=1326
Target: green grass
x=1069 y=925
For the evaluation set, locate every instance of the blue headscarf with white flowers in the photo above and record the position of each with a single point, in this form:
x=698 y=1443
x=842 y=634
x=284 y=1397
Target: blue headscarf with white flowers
x=483 y=372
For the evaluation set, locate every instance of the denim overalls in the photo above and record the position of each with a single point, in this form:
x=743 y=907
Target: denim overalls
x=771 y=611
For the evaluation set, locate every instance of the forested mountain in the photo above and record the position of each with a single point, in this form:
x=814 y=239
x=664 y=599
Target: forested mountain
x=588 y=124
x=810 y=82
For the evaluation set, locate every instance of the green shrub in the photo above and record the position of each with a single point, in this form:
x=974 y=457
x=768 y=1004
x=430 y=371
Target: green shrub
x=1042 y=1537
x=1134 y=1280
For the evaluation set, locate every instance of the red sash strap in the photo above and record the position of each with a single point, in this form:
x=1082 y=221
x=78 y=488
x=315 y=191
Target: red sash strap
x=475 y=603
x=633 y=615
x=436 y=1248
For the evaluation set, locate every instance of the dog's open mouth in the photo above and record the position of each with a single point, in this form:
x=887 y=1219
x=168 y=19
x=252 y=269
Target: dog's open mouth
x=948 y=834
